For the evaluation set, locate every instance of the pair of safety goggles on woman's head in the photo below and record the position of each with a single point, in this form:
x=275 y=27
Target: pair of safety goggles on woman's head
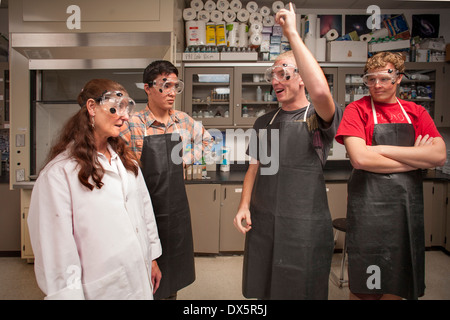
x=117 y=103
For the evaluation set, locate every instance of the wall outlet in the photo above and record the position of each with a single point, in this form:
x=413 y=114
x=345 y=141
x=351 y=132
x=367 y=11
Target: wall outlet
x=20 y=175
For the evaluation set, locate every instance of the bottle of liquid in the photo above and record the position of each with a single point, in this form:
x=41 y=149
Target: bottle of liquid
x=244 y=112
x=412 y=52
x=258 y=94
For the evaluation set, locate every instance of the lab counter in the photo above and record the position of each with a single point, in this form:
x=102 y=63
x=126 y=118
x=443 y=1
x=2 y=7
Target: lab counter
x=332 y=174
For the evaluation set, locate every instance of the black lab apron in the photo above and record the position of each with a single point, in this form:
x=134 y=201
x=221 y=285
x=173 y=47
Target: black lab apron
x=288 y=251
x=385 y=236
x=165 y=184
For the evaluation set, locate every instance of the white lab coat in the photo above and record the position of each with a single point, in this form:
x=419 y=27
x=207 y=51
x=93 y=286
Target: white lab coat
x=95 y=244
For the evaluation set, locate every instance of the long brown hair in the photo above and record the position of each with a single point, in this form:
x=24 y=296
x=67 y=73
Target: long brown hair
x=77 y=135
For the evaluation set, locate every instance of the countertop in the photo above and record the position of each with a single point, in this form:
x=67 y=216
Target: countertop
x=334 y=172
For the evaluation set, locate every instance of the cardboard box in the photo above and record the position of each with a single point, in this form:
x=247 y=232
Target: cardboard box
x=390 y=45
x=347 y=51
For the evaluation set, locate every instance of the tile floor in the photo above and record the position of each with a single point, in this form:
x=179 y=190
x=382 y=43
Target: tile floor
x=219 y=278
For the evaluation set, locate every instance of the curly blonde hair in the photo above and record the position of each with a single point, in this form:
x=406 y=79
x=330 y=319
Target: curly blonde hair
x=381 y=59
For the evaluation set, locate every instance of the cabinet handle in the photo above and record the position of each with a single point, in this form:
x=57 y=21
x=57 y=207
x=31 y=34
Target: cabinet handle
x=214 y=198
x=225 y=194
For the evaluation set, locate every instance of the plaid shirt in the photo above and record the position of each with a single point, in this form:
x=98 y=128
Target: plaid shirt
x=197 y=142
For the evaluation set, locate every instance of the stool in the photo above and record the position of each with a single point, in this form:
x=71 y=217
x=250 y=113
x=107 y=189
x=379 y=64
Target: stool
x=340 y=224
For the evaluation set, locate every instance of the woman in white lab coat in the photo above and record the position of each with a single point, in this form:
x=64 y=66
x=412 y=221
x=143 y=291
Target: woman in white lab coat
x=91 y=220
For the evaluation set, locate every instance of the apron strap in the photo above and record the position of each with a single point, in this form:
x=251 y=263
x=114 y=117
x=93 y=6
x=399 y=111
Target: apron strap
x=279 y=109
x=375 y=120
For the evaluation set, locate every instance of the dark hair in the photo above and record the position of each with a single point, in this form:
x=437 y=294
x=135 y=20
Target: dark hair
x=157 y=68
x=77 y=135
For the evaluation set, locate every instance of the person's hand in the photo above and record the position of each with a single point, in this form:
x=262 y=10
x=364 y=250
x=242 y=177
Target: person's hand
x=243 y=214
x=156 y=276
x=286 y=19
x=423 y=141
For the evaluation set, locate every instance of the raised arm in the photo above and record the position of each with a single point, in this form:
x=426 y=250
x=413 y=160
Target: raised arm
x=309 y=70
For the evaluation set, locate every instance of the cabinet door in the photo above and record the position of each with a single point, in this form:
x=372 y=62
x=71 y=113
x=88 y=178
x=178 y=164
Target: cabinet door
x=208 y=95
x=439 y=213
x=332 y=78
x=27 y=250
x=248 y=104
x=425 y=87
x=351 y=86
x=428 y=211
x=447 y=229
x=230 y=238
x=337 y=202
x=204 y=204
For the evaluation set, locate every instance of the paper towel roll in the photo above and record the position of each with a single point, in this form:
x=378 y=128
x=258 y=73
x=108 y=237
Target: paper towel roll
x=216 y=16
x=277 y=6
x=365 y=37
x=189 y=14
x=380 y=33
x=321 y=47
x=229 y=15
x=235 y=5
x=311 y=26
x=232 y=34
x=243 y=15
x=311 y=44
x=256 y=28
x=203 y=15
x=255 y=17
x=221 y=39
x=268 y=21
x=210 y=34
x=210 y=5
x=195 y=33
x=255 y=39
x=331 y=35
x=293 y=6
x=197 y=5
x=243 y=35
x=265 y=11
x=222 y=5
x=252 y=6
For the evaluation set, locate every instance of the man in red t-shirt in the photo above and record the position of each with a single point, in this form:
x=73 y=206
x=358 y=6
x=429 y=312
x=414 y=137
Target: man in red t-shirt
x=387 y=141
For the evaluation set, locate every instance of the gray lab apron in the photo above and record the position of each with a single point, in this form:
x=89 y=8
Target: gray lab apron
x=165 y=184
x=385 y=223
x=288 y=251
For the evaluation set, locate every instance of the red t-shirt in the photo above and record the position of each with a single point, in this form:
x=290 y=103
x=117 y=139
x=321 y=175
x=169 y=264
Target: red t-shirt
x=358 y=119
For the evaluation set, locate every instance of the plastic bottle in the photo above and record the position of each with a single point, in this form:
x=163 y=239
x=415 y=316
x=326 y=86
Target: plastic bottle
x=258 y=94
x=413 y=91
x=412 y=52
x=244 y=112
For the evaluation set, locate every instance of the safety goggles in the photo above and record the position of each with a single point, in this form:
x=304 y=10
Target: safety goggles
x=280 y=73
x=167 y=86
x=384 y=78
x=117 y=103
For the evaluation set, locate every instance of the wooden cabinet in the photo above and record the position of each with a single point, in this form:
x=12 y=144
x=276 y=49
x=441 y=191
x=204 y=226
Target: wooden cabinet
x=204 y=204
x=230 y=239
x=435 y=212
x=26 y=249
x=208 y=95
x=213 y=207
